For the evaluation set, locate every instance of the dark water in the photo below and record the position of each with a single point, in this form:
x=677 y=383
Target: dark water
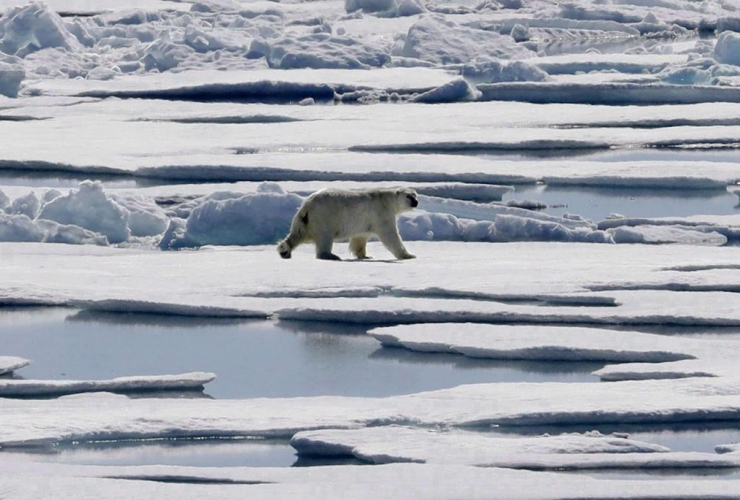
x=251 y=359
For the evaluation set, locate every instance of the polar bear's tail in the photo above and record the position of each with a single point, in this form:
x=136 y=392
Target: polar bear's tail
x=298 y=234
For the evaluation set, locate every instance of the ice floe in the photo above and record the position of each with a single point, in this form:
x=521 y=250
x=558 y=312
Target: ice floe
x=34 y=388
x=711 y=229
x=639 y=356
x=532 y=342
x=9 y=364
x=381 y=445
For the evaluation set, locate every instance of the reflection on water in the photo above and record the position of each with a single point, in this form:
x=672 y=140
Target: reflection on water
x=250 y=358
x=598 y=203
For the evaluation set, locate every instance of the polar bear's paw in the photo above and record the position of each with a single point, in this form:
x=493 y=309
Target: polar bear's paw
x=328 y=256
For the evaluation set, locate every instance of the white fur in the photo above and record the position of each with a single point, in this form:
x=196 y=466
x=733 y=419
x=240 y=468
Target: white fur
x=334 y=214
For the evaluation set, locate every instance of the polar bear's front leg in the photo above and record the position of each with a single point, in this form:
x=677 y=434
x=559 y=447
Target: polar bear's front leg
x=392 y=240
x=323 y=248
x=358 y=246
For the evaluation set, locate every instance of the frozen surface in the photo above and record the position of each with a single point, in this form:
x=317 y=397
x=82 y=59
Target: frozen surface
x=531 y=342
x=636 y=288
x=101 y=416
x=380 y=445
x=711 y=229
x=31 y=388
x=9 y=364
x=211 y=142
x=638 y=356
x=27 y=480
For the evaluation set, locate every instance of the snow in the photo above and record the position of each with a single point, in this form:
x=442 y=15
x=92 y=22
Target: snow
x=32 y=28
x=34 y=388
x=21 y=228
x=665 y=235
x=90 y=208
x=9 y=364
x=436 y=482
x=725 y=51
x=391 y=444
x=440 y=41
x=227 y=219
x=11 y=76
x=703 y=228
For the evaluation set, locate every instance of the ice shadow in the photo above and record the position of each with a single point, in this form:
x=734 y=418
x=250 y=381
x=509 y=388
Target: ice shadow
x=156 y=320
x=402 y=355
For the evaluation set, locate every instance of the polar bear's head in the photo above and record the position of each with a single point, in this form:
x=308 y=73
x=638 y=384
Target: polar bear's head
x=406 y=199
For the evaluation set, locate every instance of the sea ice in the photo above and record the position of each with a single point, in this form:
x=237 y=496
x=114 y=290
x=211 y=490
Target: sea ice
x=34 y=388
x=44 y=422
x=533 y=342
x=392 y=444
x=27 y=480
x=9 y=364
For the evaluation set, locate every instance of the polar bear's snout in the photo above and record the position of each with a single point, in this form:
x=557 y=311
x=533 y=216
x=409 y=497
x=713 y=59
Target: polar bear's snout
x=284 y=250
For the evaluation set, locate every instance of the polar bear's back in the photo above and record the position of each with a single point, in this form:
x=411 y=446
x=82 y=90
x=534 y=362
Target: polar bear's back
x=344 y=213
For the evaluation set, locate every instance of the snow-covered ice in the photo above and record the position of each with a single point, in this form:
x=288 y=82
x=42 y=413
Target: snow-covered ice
x=639 y=356
x=33 y=388
x=101 y=417
x=531 y=342
x=27 y=480
x=9 y=364
x=381 y=445
x=636 y=288
x=462 y=101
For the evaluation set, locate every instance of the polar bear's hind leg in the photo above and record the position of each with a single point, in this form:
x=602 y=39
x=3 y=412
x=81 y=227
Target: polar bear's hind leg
x=358 y=246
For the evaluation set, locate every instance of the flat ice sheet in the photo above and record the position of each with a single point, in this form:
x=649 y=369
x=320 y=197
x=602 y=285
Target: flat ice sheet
x=9 y=364
x=380 y=445
x=533 y=342
x=255 y=282
x=230 y=142
x=109 y=417
x=31 y=388
x=638 y=356
x=26 y=480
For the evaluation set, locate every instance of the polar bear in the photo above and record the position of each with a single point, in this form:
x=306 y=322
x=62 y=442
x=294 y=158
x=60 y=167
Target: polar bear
x=333 y=214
